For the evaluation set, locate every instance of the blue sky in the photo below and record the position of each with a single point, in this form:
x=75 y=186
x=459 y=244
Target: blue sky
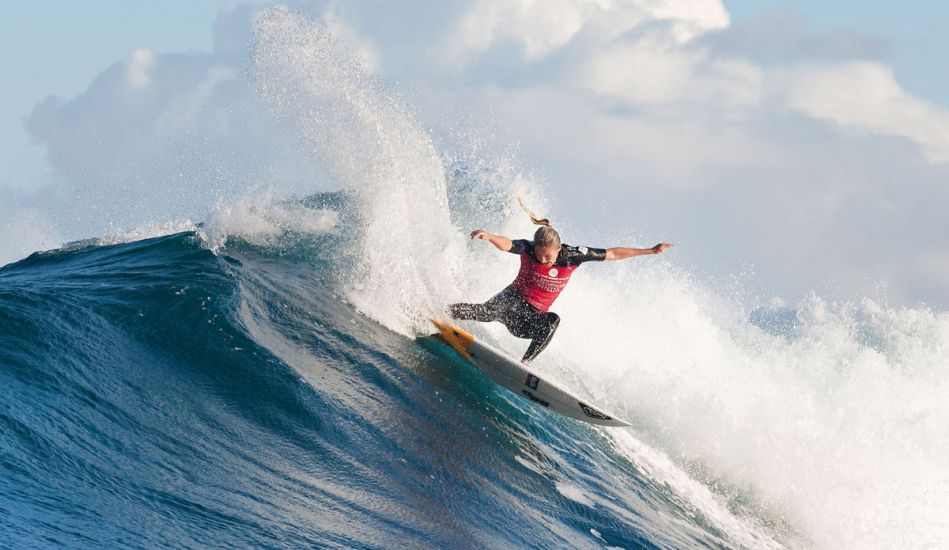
x=832 y=117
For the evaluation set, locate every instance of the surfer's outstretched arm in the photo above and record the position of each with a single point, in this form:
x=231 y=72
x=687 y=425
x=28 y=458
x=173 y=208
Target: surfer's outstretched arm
x=622 y=252
x=502 y=243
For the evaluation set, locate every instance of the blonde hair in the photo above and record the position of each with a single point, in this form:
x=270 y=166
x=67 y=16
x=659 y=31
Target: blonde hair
x=544 y=236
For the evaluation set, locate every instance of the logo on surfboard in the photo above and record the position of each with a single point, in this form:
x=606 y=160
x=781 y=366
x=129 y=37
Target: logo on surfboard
x=593 y=413
x=531 y=381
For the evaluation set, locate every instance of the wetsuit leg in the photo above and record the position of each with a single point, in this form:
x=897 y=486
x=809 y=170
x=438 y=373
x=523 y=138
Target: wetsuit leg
x=544 y=326
x=474 y=312
x=492 y=310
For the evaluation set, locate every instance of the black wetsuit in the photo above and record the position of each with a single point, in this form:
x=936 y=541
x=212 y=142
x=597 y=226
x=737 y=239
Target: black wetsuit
x=535 y=282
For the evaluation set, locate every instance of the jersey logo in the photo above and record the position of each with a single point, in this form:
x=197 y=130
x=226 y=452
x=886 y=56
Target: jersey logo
x=553 y=272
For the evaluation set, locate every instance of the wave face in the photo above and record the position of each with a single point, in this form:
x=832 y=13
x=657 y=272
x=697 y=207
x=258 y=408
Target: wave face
x=156 y=394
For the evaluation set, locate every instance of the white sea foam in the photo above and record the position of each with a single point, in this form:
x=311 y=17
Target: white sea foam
x=148 y=230
x=259 y=218
x=574 y=493
x=836 y=427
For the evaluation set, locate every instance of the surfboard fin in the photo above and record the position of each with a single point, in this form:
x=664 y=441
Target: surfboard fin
x=455 y=337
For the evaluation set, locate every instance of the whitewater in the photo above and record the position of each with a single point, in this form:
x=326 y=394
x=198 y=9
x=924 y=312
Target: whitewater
x=264 y=378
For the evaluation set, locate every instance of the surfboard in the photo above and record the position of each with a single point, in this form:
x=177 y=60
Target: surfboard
x=522 y=380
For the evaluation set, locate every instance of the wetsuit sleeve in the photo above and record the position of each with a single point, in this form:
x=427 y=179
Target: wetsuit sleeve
x=576 y=255
x=519 y=246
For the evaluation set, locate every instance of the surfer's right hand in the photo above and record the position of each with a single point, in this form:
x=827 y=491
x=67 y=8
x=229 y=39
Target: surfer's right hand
x=499 y=242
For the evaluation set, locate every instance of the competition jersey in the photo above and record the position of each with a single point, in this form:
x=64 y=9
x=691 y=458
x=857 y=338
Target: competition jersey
x=539 y=284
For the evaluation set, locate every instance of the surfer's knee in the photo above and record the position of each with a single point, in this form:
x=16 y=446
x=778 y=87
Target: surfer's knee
x=553 y=320
x=549 y=326
x=518 y=326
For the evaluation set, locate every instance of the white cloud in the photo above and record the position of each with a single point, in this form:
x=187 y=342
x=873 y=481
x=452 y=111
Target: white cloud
x=780 y=36
x=537 y=27
x=691 y=18
x=641 y=75
x=630 y=151
x=139 y=67
x=540 y=27
x=166 y=136
x=864 y=97
x=181 y=113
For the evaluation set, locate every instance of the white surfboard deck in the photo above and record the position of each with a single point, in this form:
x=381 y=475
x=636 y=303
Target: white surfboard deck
x=521 y=380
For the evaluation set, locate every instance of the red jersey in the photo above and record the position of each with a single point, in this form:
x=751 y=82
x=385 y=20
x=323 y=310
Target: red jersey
x=540 y=284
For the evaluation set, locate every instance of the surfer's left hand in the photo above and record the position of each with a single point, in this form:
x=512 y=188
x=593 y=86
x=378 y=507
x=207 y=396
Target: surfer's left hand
x=661 y=247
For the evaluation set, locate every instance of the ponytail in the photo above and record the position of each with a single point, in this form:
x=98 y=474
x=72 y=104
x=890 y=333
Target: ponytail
x=534 y=218
x=544 y=236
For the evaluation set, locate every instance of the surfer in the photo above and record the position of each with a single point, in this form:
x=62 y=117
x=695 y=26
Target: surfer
x=546 y=265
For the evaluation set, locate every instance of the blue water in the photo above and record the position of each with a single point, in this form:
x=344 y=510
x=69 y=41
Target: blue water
x=156 y=394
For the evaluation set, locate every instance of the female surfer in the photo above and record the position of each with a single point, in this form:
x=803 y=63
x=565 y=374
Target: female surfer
x=546 y=266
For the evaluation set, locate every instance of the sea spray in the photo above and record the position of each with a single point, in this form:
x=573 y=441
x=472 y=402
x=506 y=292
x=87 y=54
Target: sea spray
x=371 y=145
x=260 y=218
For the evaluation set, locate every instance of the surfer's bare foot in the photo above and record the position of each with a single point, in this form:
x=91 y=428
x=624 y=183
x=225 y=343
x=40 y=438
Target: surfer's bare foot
x=525 y=362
